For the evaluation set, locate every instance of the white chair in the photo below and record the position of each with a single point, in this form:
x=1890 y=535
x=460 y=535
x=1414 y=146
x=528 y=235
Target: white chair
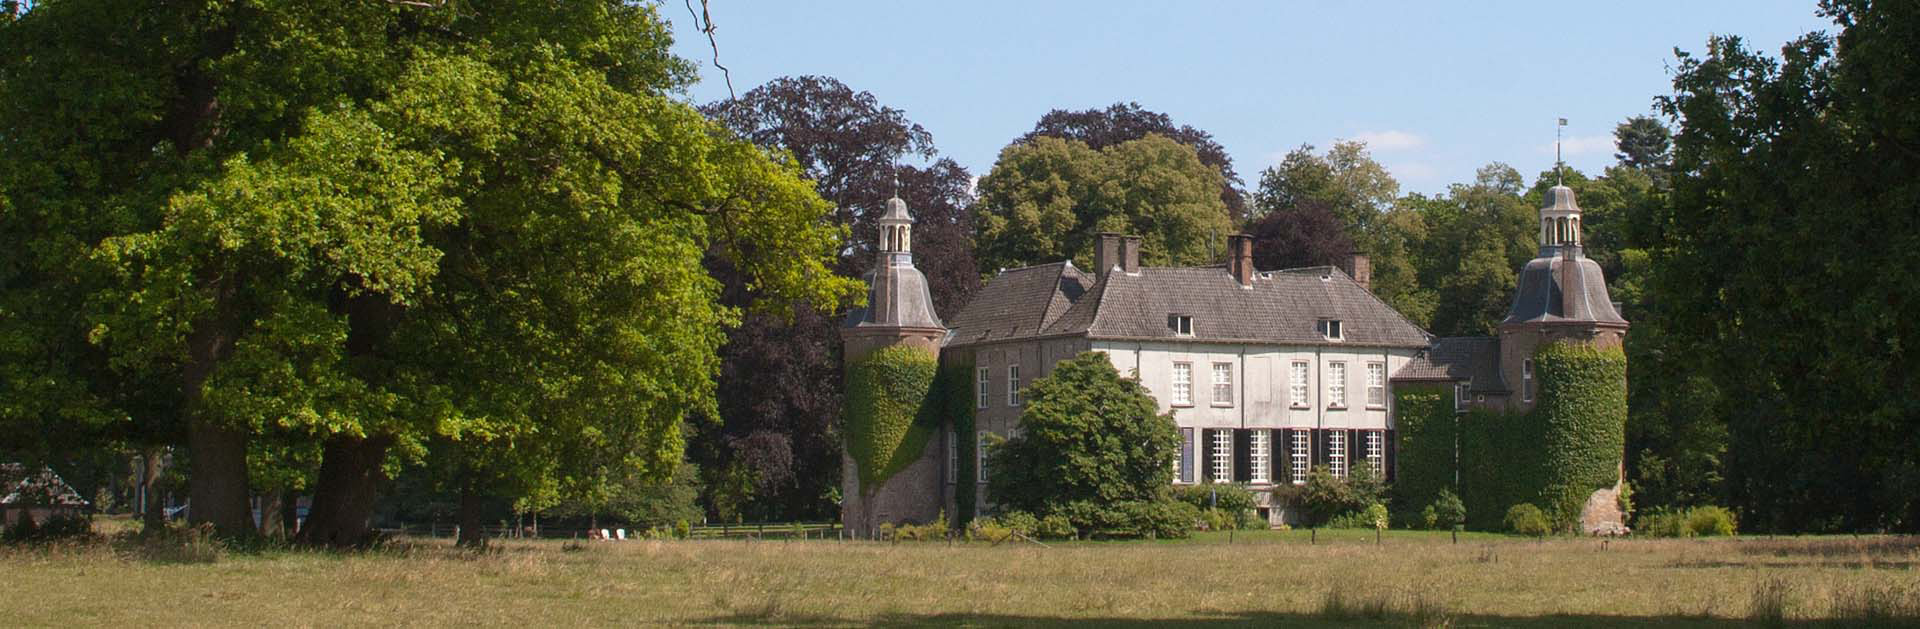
x=620 y=534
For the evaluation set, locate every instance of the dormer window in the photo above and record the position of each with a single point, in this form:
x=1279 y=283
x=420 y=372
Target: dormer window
x=1182 y=325
x=1330 y=328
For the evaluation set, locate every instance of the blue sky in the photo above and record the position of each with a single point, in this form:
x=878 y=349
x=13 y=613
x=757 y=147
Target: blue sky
x=1437 y=89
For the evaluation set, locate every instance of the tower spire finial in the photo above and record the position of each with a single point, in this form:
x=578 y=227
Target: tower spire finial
x=1559 y=167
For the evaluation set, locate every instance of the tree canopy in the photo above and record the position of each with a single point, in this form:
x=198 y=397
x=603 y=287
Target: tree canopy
x=1122 y=122
x=366 y=226
x=1049 y=199
x=1086 y=434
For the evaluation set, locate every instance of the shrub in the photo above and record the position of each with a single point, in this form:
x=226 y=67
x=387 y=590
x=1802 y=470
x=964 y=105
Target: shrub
x=1429 y=519
x=1326 y=496
x=681 y=530
x=1448 y=510
x=1526 y=519
x=1020 y=522
x=1709 y=521
x=1087 y=435
x=989 y=530
x=1055 y=526
x=1349 y=520
x=1169 y=519
x=1376 y=516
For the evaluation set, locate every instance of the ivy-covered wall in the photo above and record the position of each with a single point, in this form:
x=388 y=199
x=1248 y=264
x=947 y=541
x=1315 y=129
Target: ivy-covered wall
x=956 y=404
x=1554 y=456
x=888 y=420
x=1424 y=454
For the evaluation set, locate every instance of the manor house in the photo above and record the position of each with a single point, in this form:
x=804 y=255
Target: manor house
x=1266 y=373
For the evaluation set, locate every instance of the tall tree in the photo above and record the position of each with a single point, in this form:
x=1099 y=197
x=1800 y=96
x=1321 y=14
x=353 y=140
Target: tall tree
x=1346 y=179
x=1122 y=122
x=1307 y=234
x=1048 y=200
x=1644 y=142
x=361 y=225
x=780 y=378
x=1790 y=229
x=1086 y=434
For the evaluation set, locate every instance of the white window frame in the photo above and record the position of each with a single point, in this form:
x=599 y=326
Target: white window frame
x=1526 y=380
x=1013 y=385
x=1222 y=462
x=1222 y=384
x=980 y=456
x=1460 y=397
x=1302 y=456
x=1376 y=384
x=1332 y=330
x=984 y=386
x=1260 y=456
x=1376 y=452
x=953 y=456
x=1181 y=325
x=1182 y=383
x=1337 y=384
x=1337 y=453
x=1297 y=384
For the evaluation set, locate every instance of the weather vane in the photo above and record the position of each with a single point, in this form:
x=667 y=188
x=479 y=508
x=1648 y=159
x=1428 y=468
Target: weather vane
x=1559 y=178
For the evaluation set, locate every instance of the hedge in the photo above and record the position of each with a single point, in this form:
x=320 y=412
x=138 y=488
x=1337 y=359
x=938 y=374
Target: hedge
x=956 y=405
x=1553 y=457
x=888 y=422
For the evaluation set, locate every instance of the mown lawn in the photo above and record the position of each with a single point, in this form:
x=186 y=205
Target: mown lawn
x=1260 y=578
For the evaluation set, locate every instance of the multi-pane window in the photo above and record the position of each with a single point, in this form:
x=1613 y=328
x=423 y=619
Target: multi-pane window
x=1526 y=380
x=1260 y=456
x=1013 y=385
x=1377 y=385
x=1223 y=384
x=1181 y=325
x=1331 y=329
x=1185 y=469
x=1337 y=384
x=1222 y=456
x=980 y=455
x=981 y=389
x=1183 y=383
x=1377 y=452
x=1299 y=459
x=1297 y=384
x=1337 y=453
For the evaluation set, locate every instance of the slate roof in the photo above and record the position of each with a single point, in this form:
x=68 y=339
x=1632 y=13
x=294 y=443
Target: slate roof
x=1562 y=285
x=1019 y=303
x=1475 y=358
x=1281 y=307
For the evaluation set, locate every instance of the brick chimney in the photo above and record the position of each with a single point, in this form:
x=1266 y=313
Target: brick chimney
x=1358 y=267
x=1106 y=253
x=1130 y=254
x=1240 y=258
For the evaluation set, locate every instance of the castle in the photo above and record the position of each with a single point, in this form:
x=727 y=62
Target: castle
x=1266 y=373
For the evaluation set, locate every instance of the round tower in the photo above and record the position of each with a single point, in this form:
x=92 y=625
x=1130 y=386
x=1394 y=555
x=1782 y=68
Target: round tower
x=899 y=313
x=1562 y=296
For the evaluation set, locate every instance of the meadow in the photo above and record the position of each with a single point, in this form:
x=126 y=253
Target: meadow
x=1258 y=578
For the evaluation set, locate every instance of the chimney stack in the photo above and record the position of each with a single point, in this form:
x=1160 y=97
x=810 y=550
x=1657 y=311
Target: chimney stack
x=1358 y=267
x=1240 y=258
x=1106 y=254
x=1130 y=254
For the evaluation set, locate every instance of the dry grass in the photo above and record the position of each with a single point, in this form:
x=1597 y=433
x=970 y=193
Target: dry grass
x=1263 y=579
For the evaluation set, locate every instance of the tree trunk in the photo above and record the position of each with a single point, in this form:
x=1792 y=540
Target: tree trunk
x=155 y=516
x=343 y=497
x=272 y=526
x=472 y=529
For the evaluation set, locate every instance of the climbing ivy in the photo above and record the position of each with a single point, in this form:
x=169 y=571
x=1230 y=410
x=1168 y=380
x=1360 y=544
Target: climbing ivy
x=888 y=421
x=956 y=406
x=1554 y=456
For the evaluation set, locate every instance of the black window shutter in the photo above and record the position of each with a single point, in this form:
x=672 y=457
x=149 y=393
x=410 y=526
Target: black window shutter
x=1242 y=456
x=1206 y=455
x=1186 y=455
x=1393 y=459
x=1356 y=442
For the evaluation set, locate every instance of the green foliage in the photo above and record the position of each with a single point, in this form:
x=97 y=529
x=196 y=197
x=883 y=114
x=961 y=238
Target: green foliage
x=1710 y=521
x=1326 y=496
x=1526 y=519
x=1048 y=200
x=935 y=530
x=988 y=529
x=628 y=496
x=1223 y=505
x=888 y=420
x=1448 y=510
x=1803 y=320
x=1662 y=522
x=1701 y=521
x=1425 y=432
x=1019 y=522
x=955 y=389
x=1087 y=435
x=1582 y=406
x=1055 y=526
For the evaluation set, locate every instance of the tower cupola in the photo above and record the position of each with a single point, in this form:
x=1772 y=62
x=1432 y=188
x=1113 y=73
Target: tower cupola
x=1560 y=219
x=896 y=234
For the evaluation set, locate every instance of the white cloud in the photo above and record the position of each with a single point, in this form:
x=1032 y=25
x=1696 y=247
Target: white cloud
x=1412 y=171
x=1390 y=140
x=1583 y=145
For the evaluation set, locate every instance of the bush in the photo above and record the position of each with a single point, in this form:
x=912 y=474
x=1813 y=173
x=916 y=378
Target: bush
x=1526 y=519
x=682 y=530
x=930 y=531
x=1377 y=516
x=1170 y=519
x=1429 y=519
x=1020 y=522
x=1710 y=521
x=988 y=530
x=1055 y=526
x=1448 y=510
x=1326 y=496
x=59 y=527
x=1349 y=520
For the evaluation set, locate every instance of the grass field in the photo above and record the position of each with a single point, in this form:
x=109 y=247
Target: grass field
x=1260 y=578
